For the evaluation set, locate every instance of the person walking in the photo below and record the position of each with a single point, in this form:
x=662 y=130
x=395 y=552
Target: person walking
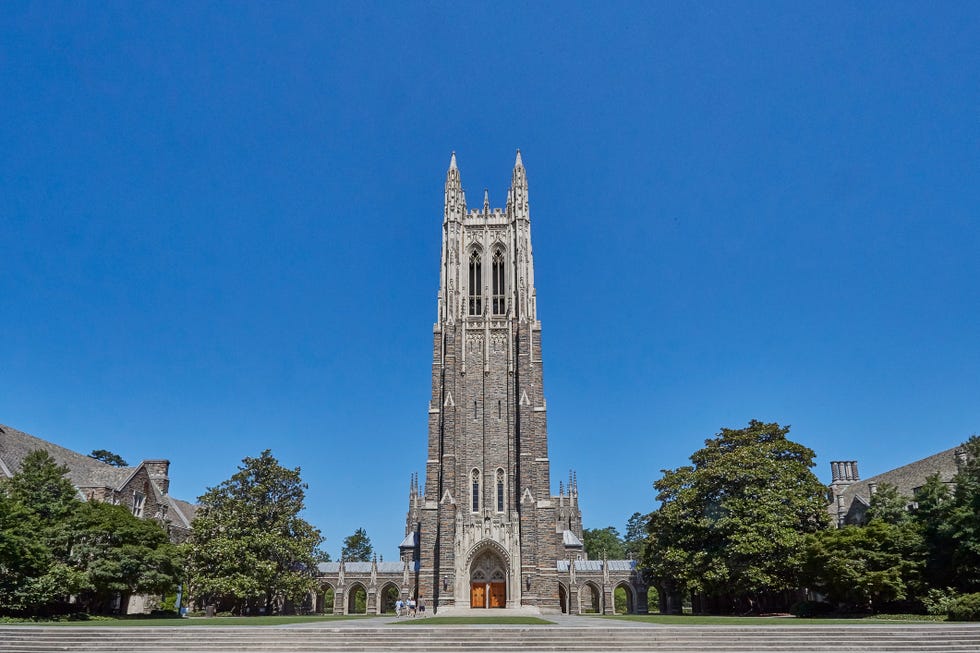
x=421 y=607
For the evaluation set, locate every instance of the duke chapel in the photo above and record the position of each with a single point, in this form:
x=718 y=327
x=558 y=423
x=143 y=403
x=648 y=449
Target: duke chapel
x=486 y=531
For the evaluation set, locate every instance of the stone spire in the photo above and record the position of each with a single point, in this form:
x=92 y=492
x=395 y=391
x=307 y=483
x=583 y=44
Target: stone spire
x=517 y=197
x=455 y=204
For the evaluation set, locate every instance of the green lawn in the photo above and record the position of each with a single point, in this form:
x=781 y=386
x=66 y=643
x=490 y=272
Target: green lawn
x=698 y=620
x=465 y=621
x=189 y=621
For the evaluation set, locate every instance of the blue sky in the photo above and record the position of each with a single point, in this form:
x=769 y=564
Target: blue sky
x=220 y=226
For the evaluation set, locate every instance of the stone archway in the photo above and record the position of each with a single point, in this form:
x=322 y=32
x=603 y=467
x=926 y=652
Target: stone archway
x=356 y=599
x=624 y=601
x=488 y=580
x=590 y=599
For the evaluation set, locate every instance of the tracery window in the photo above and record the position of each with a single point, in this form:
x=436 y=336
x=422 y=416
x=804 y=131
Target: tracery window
x=500 y=490
x=476 y=285
x=497 y=274
x=476 y=490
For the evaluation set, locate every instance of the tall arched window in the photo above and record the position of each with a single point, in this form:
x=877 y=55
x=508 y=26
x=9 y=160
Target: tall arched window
x=497 y=274
x=476 y=490
x=500 y=490
x=476 y=285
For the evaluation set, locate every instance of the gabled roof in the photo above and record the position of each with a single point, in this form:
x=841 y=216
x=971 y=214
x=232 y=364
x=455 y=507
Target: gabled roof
x=907 y=477
x=181 y=512
x=82 y=470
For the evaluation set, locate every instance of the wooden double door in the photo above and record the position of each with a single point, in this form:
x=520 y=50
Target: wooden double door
x=488 y=595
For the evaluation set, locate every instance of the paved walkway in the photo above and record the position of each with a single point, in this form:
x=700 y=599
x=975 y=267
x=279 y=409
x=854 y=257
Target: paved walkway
x=563 y=620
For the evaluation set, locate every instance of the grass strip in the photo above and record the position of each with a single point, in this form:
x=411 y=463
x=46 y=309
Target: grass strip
x=99 y=622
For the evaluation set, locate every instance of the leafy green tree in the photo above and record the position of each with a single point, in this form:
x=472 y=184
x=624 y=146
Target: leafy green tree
x=964 y=520
x=249 y=547
x=933 y=511
x=37 y=504
x=888 y=505
x=603 y=542
x=732 y=525
x=108 y=457
x=120 y=553
x=636 y=533
x=357 y=547
x=22 y=557
x=864 y=566
x=41 y=487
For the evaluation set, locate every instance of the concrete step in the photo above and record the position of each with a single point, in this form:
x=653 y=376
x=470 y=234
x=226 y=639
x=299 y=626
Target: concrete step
x=664 y=639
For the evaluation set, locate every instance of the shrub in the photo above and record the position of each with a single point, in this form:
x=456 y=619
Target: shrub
x=937 y=601
x=811 y=608
x=965 y=608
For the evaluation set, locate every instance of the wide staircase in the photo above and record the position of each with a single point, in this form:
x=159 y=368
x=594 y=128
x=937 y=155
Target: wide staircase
x=666 y=639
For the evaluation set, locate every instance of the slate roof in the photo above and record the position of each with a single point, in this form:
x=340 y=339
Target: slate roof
x=361 y=567
x=596 y=565
x=181 y=511
x=83 y=471
x=569 y=538
x=906 y=478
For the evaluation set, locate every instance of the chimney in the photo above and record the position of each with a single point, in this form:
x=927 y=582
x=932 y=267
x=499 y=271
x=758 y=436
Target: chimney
x=159 y=471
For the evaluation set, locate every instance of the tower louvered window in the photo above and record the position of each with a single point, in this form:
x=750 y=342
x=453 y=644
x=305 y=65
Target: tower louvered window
x=476 y=285
x=497 y=272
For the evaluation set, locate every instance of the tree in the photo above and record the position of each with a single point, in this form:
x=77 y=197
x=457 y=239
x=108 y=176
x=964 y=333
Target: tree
x=933 y=511
x=249 y=547
x=888 y=505
x=964 y=519
x=120 y=553
x=636 y=533
x=603 y=542
x=732 y=525
x=357 y=547
x=865 y=566
x=35 y=510
x=108 y=457
x=40 y=486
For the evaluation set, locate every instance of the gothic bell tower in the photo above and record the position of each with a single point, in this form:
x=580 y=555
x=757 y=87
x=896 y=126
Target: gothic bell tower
x=485 y=531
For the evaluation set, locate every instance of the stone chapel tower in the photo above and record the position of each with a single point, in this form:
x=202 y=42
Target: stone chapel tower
x=486 y=531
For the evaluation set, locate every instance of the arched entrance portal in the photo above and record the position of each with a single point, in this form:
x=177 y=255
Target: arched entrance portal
x=488 y=581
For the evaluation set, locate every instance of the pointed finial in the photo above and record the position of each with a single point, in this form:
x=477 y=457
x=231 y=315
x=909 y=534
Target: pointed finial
x=518 y=162
x=486 y=200
x=452 y=161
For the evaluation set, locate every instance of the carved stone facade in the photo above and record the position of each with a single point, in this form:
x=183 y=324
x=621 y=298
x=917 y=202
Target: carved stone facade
x=486 y=531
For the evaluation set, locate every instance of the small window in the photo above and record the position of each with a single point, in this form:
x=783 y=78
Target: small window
x=499 y=409
x=474 y=410
x=500 y=490
x=476 y=490
x=139 y=499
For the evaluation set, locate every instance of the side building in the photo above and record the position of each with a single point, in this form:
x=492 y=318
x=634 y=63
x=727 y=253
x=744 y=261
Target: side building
x=485 y=530
x=144 y=488
x=850 y=496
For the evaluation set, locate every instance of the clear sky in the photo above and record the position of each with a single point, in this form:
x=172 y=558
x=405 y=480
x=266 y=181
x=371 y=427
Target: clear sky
x=220 y=230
